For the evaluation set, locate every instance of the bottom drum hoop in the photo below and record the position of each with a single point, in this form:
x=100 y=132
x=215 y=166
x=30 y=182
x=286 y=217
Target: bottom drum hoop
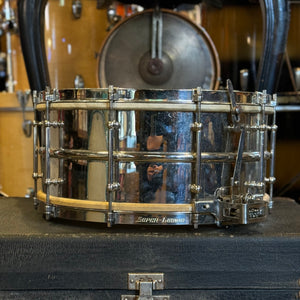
x=151 y=214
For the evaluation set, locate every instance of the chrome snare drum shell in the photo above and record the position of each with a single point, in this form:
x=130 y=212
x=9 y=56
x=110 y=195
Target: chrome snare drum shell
x=157 y=157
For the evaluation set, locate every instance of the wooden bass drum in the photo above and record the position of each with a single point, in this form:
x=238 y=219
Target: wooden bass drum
x=72 y=43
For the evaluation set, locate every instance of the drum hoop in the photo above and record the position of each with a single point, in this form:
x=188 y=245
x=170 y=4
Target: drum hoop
x=209 y=107
x=116 y=206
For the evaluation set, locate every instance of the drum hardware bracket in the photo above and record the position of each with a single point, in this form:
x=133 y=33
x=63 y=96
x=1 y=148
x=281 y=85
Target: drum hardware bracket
x=207 y=206
x=270 y=179
x=112 y=16
x=54 y=181
x=41 y=150
x=254 y=184
x=113 y=125
x=113 y=187
x=35 y=123
x=48 y=96
x=235 y=110
x=78 y=82
x=54 y=124
x=37 y=175
x=145 y=283
x=274 y=100
x=46 y=123
x=196 y=189
x=110 y=219
x=36 y=201
x=197 y=95
x=113 y=94
x=196 y=126
x=261 y=97
x=50 y=212
x=76 y=9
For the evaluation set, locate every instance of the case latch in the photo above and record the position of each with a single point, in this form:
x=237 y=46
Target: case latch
x=145 y=283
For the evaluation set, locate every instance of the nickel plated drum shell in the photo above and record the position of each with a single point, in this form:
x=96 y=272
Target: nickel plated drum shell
x=155 y=157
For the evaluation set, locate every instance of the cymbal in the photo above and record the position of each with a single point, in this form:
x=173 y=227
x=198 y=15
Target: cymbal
x=189 y=58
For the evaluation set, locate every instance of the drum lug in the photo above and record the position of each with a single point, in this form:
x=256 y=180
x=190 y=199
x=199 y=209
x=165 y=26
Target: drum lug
x=110 y=219
x=76 y=9
x=50 y=212
x=145 y=283
x=203 y=208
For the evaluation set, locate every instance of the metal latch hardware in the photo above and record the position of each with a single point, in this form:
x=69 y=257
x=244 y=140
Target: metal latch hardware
x=145 y=283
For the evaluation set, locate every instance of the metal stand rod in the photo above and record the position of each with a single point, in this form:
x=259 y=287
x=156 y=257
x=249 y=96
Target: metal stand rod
x=9 y=65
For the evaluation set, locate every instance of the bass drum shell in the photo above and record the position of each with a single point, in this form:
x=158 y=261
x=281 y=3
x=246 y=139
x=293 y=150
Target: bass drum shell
x=188 y=54
x=72 y=43
x=16 y=149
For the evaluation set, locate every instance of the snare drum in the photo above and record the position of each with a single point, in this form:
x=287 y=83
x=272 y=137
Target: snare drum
x=164 y=157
